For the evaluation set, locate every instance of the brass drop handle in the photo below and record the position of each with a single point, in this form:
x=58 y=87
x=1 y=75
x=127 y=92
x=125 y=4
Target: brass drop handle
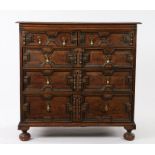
x=46 y=58
x=48 y=107
x=64 y=42
x=107 y=61
x=39 y=41
x=106 y=108
x=91 y=42
x=107 y=82
x=47 y=81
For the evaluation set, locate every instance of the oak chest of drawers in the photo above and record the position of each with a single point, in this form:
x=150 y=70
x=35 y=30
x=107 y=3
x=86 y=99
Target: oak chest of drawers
x=77 y=74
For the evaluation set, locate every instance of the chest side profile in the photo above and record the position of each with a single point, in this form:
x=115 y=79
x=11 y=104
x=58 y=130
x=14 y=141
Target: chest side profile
x=77 y=74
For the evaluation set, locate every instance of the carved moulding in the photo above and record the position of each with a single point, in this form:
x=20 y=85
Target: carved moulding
x=128 y=38
x=77 y=80
x=77 y=107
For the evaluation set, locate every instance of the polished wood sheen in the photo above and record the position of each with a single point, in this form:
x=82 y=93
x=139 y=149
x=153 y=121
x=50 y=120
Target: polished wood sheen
x=77 y=74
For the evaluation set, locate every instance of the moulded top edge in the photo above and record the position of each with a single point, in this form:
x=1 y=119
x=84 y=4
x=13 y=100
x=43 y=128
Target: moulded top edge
x=69 y=23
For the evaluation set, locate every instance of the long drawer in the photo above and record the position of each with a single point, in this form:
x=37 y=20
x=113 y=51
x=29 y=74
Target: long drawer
x=48 y=57
x=77 y=80
x=78 y=108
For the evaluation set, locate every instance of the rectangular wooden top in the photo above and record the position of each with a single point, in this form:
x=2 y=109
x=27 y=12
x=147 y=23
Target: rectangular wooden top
x=79 y=23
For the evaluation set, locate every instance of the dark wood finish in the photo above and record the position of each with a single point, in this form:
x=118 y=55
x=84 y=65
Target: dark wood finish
x=77 y=74
x=25 y=136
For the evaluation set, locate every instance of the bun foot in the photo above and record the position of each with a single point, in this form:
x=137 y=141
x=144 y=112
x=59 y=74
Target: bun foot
x=129 y=136
x=25 y=136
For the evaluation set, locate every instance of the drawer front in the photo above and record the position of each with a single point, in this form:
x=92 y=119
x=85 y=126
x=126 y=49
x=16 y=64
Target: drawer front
x=76 y=108
x=107 y=108
x=52 y=38
x=98 y=81
x=75 y=57
x=36 y=108
x=120 y=58
x=112 y=38
x=77 y=75
x=49 y=57
x=53 y=81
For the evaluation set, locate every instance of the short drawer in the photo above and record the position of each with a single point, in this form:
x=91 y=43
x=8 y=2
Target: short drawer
x=117 y=38
x=51 y=38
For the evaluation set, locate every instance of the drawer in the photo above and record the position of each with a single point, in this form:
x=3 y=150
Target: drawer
x=108 y=108
x=47 y=80
x=76 y=108
x=48 y=57
x=52 y=38
x=120 y=58
x=107 y=38
x=97 y=81
x=36 y=108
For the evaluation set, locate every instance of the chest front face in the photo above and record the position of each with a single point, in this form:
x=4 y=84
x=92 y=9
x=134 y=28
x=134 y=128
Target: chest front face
x=77 y=73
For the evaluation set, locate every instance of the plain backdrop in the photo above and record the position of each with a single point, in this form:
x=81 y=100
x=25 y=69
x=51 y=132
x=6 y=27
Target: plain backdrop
x=145 y=78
